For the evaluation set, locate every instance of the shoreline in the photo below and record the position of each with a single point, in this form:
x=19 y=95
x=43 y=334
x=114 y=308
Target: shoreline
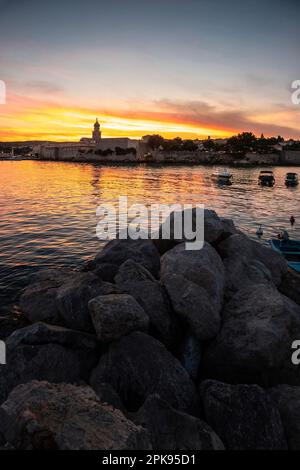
x=155 y=164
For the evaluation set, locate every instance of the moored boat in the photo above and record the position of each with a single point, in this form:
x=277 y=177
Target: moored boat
x=291 y=179
x=222 y=177
x=290 y=249
x=266 y=178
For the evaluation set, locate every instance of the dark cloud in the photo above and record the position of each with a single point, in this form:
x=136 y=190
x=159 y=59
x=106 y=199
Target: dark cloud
x=207 y=115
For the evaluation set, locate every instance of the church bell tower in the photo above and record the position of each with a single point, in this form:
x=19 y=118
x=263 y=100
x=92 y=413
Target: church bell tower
x=96 y=132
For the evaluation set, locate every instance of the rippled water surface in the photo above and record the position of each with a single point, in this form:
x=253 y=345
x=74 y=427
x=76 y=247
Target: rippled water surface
x=48 y=209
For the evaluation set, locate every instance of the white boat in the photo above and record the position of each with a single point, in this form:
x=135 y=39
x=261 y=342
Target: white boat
x=222 y=177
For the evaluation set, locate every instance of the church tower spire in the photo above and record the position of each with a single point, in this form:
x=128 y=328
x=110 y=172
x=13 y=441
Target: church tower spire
x=96 y=136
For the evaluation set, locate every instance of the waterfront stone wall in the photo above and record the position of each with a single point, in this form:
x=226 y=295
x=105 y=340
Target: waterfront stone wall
x=292 y=156
x=89 y=153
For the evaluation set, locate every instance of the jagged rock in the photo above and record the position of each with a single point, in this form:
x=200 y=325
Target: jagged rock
x=215 y=228
x=40 y=415
x=243 y=416
x=195 y=282
x=116 y=252
x=106 y=271
x=73 y=298
x=139 y=365
x=38 y=299
x=249 y=262
x=61 y=297
x=116 y=315
x=44 y=352
x=287 y=398
x=290 y=286
x=259 y=326
x=170 y=429
x=137 y=281
x=190 y=355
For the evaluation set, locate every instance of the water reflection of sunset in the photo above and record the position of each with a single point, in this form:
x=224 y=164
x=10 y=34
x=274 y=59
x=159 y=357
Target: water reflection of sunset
x=48 y=209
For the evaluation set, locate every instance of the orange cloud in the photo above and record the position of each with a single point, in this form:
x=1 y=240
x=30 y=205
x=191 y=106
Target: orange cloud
x=37 y=119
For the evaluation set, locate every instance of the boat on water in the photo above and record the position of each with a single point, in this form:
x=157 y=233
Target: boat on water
x=222 y=177
x=290 y=249
x=266 y=178
x=291 y=179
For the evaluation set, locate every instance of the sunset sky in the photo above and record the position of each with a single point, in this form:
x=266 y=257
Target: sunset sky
x=190 y=68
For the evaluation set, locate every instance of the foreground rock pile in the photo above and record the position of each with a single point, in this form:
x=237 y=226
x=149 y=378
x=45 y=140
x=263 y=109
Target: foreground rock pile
x=152 y=346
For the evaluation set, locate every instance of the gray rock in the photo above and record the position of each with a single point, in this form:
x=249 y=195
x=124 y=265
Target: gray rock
x=106 y=271
x=137 y=281
x=38 y=299
x=216 y=229
x=254 y=344
x=116 y=252
x=60 y=297
x=44 y=416
x=137 y=366
x=116 y=315
x=170 y=429
x=287 y=398
x=73 y=298
x=249 y=262
x=44 y=352
x=243 y=416
x=290 y=286
x=195 y=282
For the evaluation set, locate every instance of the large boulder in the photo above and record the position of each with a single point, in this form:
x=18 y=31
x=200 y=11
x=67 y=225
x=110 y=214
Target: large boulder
x=290 y=286
x=116 y=252
x=44 y=416
x=73 y=298
x=287 y=398
x=139 y=365
x=44 y=352
x=254 y=344
x=137 y=281
x=243 y=416
x=61 y=297
x=215 y=228
x=249 y=262
x=116 y=315
x=38 y=299
x=171 y=429
x=195 y=282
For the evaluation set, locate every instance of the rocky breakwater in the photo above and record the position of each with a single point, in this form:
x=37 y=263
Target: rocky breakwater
x=152 y=346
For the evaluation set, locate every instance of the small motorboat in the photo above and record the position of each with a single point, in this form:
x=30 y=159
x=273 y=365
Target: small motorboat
x=222 y=177
x=290 y=249
x=291 y=179
x=266 y=178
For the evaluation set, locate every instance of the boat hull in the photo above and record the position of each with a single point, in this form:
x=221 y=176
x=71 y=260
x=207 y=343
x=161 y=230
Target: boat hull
x=290 y=249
